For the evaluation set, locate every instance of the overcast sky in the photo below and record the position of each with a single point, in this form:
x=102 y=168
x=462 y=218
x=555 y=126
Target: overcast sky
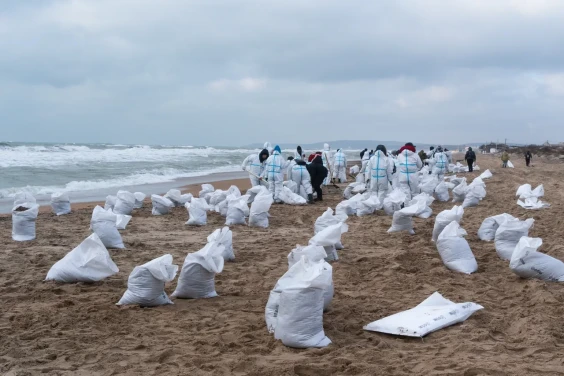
x=234 y=72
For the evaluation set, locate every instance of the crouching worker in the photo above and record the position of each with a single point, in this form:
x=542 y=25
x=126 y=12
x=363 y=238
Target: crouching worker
x=254 y=163
x=318 y=173
x=300 y=176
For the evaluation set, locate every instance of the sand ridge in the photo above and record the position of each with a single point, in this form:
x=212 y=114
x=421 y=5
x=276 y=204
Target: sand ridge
x=76 y=329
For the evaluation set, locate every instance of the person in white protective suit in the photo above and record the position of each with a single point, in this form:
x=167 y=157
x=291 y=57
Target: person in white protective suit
x=268 y=147
x=409 y=164
x=327 y=156
x=274 y=173
x=254 y=163
x=292 y=162
x=301 y=177
x=340 y=166
x=381 y=169
x=364 y=175
x=440 y=164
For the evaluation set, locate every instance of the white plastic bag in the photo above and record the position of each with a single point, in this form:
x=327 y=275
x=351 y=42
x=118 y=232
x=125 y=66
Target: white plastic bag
x=508 y=235
x=290 y=198
x=24 y=197
x=122 y=221
x=328 y=238
x=161 y=205
x=455 y=250
x=197 y=277
x=139 y=198
x=327 y=219
x=299 y=321
x=145 y=285
x=348 y=193
x=217 y=196
x=206 y=192
x=526 y=262
x=125 y=203
x=60 y=203
x=291 y=185
x=110 y=202
x=23 y=221
x=403 y=219
x=428 y=184
x=197 y=212
x=237 y=210
x=459 y=192
x=394 y=201
x=510 y=165
x=441 y=191
x=104 y=224
x=254 y=191
x=525 y=191
x=258 y=216
x=89 y=262
x=444 y=218
x=532 y=203
x=177 y=198
x=234 y=190
x=224 y=236
x=489 y=226
x=368 y=206
x=486 y=174
x=433 y=314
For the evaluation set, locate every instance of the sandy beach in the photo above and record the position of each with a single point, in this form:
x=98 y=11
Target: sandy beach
x=49 y=328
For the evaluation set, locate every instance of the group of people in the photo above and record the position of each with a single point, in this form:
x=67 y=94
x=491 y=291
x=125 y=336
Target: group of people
x=268 y=168
x=379 y=167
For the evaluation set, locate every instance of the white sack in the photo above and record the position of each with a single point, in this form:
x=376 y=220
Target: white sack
x=290 y=198
x=177 y=198
x=299 y=322
x=89 y=262
x=237 y=210
x=139 y=198
x=368 y=206
x=525 y=191
x=197 y=212
x=234 y=190
x=455 y=250
x=441 y=191
x=145 y=285
x=526 y=262
x=486 y=174
x=444 y=218
x=258 y=216
x=110 y=202
x=60 y=203
x=433 y=314
x=348 y=192
x=327 y=219
x=489 y=226
x=125 y=203
x=254 y=191
x=394 y=201
x=224 y=237
x=292 y=185
x=508 y=235
x=122 y=221
x=459 y=192
x=354 y=170
x=197 y=277
x=104 y=224
x=403 y=219
x=206 y=192
x=23 y=222
x=217 y=196
x=510 y=165
x=428 y=183
x=161 y=205
x=24 y=197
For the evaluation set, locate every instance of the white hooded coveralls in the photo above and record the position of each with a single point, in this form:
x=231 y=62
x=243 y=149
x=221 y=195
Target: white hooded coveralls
x=340 y=166
x=301 y=177
x=274 y=172
x=440 y=165
x=409 y=164
x=252 y=164
x=381 y=169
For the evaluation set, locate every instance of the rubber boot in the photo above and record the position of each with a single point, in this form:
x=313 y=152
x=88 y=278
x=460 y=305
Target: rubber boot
x=310 y=198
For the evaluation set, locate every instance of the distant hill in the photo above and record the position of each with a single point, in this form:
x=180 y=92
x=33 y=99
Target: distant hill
x=356 y=145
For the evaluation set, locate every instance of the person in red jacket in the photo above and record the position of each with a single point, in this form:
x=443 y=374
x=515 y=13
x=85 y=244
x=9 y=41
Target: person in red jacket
x=409 y=146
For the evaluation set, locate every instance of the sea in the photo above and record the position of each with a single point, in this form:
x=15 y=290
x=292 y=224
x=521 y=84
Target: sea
x=89 y=172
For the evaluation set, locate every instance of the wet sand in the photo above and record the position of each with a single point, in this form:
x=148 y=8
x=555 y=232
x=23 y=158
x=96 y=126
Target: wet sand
x=76 y=329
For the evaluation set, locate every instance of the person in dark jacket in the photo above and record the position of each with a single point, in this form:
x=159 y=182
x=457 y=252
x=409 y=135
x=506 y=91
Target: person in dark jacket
x=318 y=173
x=528 y=158
x=470 y=159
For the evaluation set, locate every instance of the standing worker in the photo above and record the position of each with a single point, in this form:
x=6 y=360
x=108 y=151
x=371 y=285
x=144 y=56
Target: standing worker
x=470 y=159
x=504 y=159
x=254 y=163
x=409 y=164
x=440 y=164
x=327 y=159
x=318 y=173
x=274 y=172
x=300 y=176
x=340 y=166
x=381 y=170
x=528 y=158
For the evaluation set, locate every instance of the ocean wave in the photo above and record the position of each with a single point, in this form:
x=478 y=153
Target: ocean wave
x=148 y=177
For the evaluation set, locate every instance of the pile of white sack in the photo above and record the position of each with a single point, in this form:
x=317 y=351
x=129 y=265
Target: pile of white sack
x=353 y=189
x=508 y=234
x=145 y=285
x=329 y=238
x=206 y=192
x=469 y=195
x=328 y=219
x=294 y=311
x=60 y=203
x=394 y=201
x=444 y=218
x=529 y=198
x=89 y=262
x=360 y=204
x=527 y=262
x=197 y=277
